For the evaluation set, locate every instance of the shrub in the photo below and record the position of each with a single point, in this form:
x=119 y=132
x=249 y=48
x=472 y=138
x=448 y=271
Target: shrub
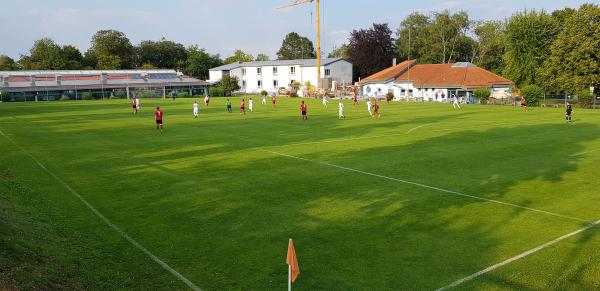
x=585 y=99
x=532 y=94
x=216 y=92
x=119 y=93
x=389 y=96
x=183 y=94
x=64 y=98
x=86 y=96
x=294 y=94
x=483 y=94
x=264 y=93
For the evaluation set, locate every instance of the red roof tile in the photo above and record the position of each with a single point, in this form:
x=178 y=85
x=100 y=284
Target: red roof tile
x=389 y=73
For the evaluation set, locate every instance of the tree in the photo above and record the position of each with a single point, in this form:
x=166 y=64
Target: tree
x=446 y=31
x=529 y=36
x=295 y=46
x=111 y=49
x=199 y=62
x=44 y=55
x=163 y=54
x=7 y=63
x=262 y=58
x=489 y=45
x=229 y=84
x=414 y=38
x=574 y=63
x=239 y=56
x=532 y=94
x=483 y=94
x=371 y=50
x=340 y=52
x=73 y=57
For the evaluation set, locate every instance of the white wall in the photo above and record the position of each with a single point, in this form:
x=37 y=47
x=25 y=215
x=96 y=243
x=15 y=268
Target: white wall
x=215 y=76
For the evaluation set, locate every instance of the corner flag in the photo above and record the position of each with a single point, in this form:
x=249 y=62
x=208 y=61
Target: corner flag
x=292 y=261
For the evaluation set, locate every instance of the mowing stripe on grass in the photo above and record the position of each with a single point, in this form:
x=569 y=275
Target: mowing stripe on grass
x=431 y=187
x=106 y=220
x=517 y=257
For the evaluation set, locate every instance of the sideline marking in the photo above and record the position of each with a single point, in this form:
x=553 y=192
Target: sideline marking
x=517 y=257
x=583 y=153
x=106 y=220
x=431 y=187
x=415 y=128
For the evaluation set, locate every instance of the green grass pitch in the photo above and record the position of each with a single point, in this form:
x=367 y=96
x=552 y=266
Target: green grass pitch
x=414 y=200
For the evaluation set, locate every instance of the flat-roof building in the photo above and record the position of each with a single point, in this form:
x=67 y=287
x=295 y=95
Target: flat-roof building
x=53 y=85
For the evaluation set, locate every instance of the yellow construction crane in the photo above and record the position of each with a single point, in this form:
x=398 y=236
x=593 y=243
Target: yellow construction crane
x=298 y=2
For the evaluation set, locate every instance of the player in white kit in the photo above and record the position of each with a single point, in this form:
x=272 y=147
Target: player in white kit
x=455 y=103
x=264 y=100
x=250 y=104
x=196 y=109
x=325 y=101
x=341 y=110
x=369 y=106
x=137 y=104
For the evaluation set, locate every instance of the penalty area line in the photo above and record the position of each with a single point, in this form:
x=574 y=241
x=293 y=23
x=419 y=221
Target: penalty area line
x=106 y=220
x=431 y=187
x=517 y=257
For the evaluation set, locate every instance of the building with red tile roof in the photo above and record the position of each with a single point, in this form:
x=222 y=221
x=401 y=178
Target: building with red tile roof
x=434 y=82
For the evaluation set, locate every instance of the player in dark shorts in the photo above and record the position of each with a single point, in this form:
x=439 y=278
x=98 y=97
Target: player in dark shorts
x=274 y=100
x=355 y=100
x=523 y=103
x=242 y=107
x=568 y=112
x=134 y=105
x=158 y=116
x=376 y=109
x=228 y=105
x=303 y=109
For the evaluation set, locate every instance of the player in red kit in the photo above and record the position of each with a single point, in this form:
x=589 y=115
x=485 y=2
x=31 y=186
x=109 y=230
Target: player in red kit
x=158 y=116
x=134 y=105
x=242 y=107
x=303 y=109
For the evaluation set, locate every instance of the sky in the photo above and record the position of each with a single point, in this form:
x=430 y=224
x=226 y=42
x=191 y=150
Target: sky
x=221 y=26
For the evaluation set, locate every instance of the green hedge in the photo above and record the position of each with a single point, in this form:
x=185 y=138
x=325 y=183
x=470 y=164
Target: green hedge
x=86 y=96
x=216 y=92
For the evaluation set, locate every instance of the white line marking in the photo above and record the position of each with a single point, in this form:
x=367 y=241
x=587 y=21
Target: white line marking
x=517 y=257
x=106 y=220
x=431 y=187
x=415 y=128
x=583 y=153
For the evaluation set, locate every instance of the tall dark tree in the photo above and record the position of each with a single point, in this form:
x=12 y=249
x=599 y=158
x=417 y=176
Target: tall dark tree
x=529 y=36
x=371 y=50
x=163 y=54
x=295 y=46
x=111 y=49
x=7 y=63
x=199 y=62
x=574 y=63
x=73 y=57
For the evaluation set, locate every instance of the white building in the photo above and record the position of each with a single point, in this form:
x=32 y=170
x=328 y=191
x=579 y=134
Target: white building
x=273 y=75
x=434 y=82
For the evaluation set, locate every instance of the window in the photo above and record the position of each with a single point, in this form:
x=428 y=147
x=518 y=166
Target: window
x=259 y=83
x=327 y=72
x=243 y=84
x=292 y=70
x=274 y=70
x=275 y=84
x=243 y=71
x=258 y=71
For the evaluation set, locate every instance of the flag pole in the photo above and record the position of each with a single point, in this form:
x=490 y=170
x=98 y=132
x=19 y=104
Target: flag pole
x=289 y=277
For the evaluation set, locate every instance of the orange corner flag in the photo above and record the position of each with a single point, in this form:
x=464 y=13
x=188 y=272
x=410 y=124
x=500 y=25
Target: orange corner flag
x=292 y=261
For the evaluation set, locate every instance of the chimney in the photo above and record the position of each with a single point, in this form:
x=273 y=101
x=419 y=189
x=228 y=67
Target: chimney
x=394 y=62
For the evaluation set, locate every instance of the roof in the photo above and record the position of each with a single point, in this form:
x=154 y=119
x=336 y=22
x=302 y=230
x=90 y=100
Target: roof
x=299 y=62
x=458 y=75
x=390 y=73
